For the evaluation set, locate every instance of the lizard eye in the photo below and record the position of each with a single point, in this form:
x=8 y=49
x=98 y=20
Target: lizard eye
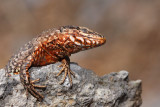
x=84 y=30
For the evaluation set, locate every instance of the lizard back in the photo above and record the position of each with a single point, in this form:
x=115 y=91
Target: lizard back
x=33 y=48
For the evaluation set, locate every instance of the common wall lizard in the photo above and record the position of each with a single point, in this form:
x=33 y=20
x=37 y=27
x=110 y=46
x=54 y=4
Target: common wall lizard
x=50 y=47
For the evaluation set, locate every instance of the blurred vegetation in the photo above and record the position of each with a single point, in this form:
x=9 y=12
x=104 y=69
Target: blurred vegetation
x=132 y=29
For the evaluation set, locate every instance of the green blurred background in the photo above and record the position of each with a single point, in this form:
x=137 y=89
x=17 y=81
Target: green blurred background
x=132 y=29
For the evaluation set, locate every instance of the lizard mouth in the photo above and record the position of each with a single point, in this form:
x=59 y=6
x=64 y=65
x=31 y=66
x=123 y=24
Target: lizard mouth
x=99 y=42
x=94 y=42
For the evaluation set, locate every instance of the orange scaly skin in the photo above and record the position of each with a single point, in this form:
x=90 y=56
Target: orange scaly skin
x=50 y=47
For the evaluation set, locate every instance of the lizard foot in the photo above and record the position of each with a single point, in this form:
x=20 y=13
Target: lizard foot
x=37 y=86
x=66 y=68
x=31 y=89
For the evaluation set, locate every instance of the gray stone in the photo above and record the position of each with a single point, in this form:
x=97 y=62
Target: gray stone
x=88 y=90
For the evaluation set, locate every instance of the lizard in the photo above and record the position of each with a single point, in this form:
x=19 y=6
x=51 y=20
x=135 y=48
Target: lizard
x=54 y=45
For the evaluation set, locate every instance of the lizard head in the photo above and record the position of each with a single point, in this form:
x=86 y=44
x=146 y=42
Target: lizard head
x=82 y=38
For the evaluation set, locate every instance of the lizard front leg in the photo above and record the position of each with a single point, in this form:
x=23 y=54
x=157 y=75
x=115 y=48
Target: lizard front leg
x=66 y=68
x=27 y=83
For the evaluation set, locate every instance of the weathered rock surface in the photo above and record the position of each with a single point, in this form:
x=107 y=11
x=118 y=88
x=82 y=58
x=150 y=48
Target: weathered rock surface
x=89 y=90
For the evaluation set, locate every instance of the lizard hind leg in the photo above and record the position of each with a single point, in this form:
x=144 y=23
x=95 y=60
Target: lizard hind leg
x=29 y=85
x=33 y=92
x=66 y=69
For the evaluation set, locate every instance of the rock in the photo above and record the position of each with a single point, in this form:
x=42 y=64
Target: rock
x=112 y=90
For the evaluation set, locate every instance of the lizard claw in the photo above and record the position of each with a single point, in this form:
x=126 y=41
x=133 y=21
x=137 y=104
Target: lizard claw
x=30 y=87
x=66 y=69
x=60 y=65
x=37 y=86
